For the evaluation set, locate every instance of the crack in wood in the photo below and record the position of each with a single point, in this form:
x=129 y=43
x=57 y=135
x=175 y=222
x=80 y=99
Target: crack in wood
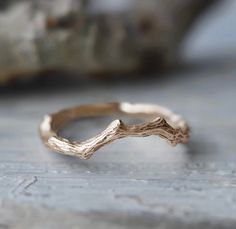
x=138 y=200
x=24 y=185
x=151 y=206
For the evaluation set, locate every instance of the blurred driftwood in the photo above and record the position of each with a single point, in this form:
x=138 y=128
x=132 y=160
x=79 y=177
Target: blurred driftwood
x=91 y=36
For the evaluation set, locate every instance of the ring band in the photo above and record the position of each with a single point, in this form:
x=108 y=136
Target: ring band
x=162 y=122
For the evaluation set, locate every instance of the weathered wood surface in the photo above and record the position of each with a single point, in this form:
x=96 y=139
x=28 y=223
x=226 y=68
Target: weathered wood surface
x=78 y=35
x=133 y=183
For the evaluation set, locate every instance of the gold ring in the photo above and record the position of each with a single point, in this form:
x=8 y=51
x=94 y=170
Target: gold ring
x=162 y=122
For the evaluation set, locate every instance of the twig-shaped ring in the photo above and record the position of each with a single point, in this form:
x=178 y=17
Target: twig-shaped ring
x=162 y=122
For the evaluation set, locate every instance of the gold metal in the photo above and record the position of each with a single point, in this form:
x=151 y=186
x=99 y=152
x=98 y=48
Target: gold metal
x=162 y=122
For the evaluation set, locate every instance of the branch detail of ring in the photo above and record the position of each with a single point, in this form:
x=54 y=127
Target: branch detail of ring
x=163 y=123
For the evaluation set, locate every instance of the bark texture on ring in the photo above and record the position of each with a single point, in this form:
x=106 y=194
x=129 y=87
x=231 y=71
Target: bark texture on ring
x=164 y=124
